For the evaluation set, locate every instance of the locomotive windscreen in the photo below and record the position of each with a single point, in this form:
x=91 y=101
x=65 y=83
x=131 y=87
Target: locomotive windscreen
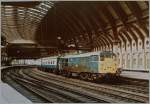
x=107 y=55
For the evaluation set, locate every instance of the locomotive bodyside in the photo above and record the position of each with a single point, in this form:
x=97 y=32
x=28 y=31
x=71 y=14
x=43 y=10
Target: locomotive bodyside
x=80 y=63
x=98 y=63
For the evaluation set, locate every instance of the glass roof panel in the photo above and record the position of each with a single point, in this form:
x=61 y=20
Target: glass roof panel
x=142 y=5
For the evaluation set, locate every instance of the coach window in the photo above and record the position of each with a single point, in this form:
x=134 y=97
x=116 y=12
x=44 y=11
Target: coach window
x=66 y=62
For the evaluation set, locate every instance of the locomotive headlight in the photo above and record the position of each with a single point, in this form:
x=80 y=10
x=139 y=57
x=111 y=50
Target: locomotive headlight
x=76 y=65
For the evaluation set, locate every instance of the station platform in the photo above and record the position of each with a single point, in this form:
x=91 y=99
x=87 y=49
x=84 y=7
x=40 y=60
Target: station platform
x=135 y=74
x=4 y=67
x=10 y=95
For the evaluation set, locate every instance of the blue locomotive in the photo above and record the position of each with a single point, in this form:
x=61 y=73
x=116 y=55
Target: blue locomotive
x=91 y=65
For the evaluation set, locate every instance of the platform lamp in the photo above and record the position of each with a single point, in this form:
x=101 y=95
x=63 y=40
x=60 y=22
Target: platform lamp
x=59 y=44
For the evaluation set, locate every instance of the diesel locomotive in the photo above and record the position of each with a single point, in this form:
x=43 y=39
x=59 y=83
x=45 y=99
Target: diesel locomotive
x=91 y=65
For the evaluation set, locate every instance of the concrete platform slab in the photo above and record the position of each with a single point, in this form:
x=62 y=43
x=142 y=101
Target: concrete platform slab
x=136 y=75
x=10 y=95
x=4 y=67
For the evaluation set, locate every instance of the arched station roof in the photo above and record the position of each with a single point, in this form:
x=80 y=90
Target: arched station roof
x=83 y=23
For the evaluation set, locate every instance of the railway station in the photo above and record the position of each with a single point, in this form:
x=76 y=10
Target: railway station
x=75 y=51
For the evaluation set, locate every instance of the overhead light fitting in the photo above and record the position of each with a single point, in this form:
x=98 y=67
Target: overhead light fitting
x=58 y=37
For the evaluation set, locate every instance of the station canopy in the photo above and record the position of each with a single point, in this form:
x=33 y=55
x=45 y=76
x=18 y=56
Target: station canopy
x=82 y=24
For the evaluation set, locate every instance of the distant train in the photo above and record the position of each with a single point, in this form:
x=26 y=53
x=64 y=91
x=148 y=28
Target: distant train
x=91 y=65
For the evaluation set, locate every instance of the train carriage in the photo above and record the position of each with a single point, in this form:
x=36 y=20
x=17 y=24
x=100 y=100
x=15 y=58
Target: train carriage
x=49 y=63
x=89 y=65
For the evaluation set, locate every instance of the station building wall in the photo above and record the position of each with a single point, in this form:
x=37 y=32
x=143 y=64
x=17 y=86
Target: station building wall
x=131 y=56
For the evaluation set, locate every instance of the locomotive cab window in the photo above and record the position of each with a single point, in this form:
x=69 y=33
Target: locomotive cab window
x=101 y=57
x=94 y=58
x=108 y=56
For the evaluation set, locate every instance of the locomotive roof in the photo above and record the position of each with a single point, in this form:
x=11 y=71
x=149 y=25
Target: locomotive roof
x=79 y=55
x=86 y=54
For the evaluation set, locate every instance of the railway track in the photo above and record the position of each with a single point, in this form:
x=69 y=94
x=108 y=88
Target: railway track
x=76 y=96
x=133 y=88
x=54 y=88
x=138 y=82
x=50 y=92
x=23 y=90
x=139 y=86
x=127 y=94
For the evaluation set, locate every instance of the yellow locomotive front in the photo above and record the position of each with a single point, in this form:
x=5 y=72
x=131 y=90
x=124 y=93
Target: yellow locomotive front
x=108 y=64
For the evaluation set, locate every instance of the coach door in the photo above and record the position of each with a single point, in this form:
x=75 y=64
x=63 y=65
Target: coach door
x=60 y=63
x=66 y=62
